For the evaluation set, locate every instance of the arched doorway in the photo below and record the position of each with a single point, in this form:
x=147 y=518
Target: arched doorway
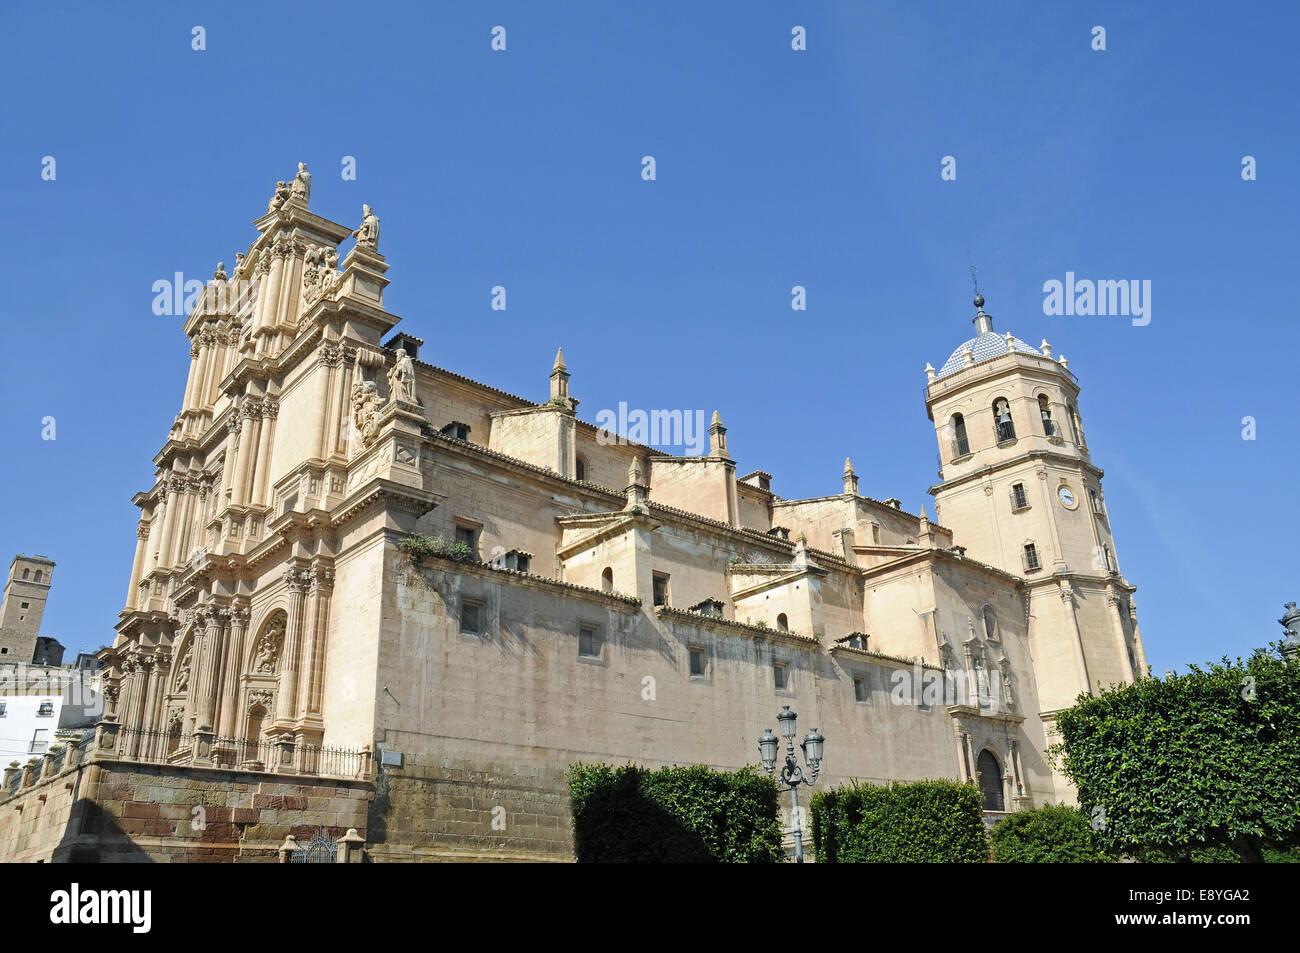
x=990 y=775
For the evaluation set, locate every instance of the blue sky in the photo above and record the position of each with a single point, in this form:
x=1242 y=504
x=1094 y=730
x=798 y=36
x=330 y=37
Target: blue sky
x=775 y=168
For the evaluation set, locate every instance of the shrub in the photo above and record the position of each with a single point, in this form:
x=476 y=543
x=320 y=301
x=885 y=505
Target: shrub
x=1053 y=834
x=673 y=815
x=917 y=822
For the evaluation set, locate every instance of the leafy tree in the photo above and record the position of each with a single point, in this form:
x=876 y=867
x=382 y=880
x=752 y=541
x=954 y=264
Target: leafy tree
x=1194 y=762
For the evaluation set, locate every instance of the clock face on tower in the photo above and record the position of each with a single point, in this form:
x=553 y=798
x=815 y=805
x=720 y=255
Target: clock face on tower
x=1066 y=496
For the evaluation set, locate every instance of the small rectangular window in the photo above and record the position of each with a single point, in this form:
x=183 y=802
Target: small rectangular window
x=861 y=692
x=1019 y=499
x=40 y=740
x=46 y=710
x=471 y=617
x=699 y=662
x=1031 y=557
x=2 y=709
x=589 y=641
x=661 y=589
x=24 y=605
x=780 y=676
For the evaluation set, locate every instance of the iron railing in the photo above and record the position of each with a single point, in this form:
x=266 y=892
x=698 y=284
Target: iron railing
x=265 y=753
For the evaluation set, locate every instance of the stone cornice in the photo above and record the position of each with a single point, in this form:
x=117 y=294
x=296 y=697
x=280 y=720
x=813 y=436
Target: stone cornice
x=838 y=649
x=990 y=368
x=528 y=580
x=1047 y=456
x=718 y=624
x=970 y=711
x=937 y=555
x=522 y=466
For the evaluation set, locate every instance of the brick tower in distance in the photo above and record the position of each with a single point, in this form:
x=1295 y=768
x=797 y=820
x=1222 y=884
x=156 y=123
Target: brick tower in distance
x=26 y=590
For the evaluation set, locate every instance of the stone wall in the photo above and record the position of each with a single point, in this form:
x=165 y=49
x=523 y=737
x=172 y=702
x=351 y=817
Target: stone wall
x=110 y=811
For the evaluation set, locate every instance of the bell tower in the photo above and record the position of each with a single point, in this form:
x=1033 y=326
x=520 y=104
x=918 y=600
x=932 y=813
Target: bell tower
x=1019 y=490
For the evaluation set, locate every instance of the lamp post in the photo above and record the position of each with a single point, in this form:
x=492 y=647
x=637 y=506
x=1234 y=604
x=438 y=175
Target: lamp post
x=791 y=773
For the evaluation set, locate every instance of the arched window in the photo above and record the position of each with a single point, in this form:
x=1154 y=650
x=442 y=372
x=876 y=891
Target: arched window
x=26 y=573
x=990 y=624
x=960 y=445
x=782 y=623
x=39 y=574
x=580 y=469
x=1045 y=411
x=1077 y=425
x=1002 y=422
x=990 y=775
x=607 y=580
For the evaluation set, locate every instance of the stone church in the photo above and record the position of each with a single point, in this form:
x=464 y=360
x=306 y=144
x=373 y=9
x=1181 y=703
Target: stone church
x=572 y=595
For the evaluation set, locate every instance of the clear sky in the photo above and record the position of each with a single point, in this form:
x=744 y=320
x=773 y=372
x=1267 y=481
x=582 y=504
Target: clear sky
x=775 y=168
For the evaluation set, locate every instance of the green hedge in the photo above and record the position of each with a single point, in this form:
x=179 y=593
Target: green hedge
x=918 y=822
x=1053 y=834
x=1191 y=765
x=673 y=815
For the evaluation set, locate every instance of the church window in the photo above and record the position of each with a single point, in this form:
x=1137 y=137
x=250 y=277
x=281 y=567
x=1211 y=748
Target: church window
x=861 y=691
x=782 y=623
x=990 y=777
x=660 y=589
x=1045 y=411
x=1004 y=425
x=607 y=580
x=960 y=444
x=1030 y=558
x=1019 y=498
x=1096 y=502
x=468 y=535
x=990 y=624
x=589 y=641
x=781 y=676
x=699 y=662
x=471 y=617
x=26 y=573
x=580 y=469
x=39 y=575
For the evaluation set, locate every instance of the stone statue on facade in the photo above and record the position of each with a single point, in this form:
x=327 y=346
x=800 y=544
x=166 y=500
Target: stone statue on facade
x=367 y=235
x=401 y=379
x=301 y=188
x=281 y=196
x=365 y=409
x=183 y=674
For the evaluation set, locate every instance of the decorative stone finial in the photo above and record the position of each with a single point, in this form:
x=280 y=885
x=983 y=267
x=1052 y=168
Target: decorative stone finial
x=967 y=356
x=717 y=437
x=850 y=478
x=1011 y=341
x=979 y=301
x=559 y=364
x=1063 y=362
x=929 y=371
x=634 y=472
x=560 y=381
x=1045 y=348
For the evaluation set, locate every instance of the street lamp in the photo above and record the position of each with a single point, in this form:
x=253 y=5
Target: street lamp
x=791 y=773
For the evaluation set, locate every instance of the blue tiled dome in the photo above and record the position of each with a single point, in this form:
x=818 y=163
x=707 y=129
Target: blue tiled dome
x=984 y=346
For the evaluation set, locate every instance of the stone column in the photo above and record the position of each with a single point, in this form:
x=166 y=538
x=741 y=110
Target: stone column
x=171 y=503
x=1121 y=643
x=233 y=670
x=309 y=693
x=205 y=696
x=270 y=293
x=127 y=685
x=153 y=747
x=250 y=415
x=144 y=691
x=232 y=455
x=209 y=343
x=340 y=401
x=137 y=564
x=188 y=402
x=270 y=410
x=972 y=766
x=1137 y=638
x=1071 y=617
x=287 y=696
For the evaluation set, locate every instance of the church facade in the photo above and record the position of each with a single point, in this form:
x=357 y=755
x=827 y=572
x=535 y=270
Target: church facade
x=346 y=549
